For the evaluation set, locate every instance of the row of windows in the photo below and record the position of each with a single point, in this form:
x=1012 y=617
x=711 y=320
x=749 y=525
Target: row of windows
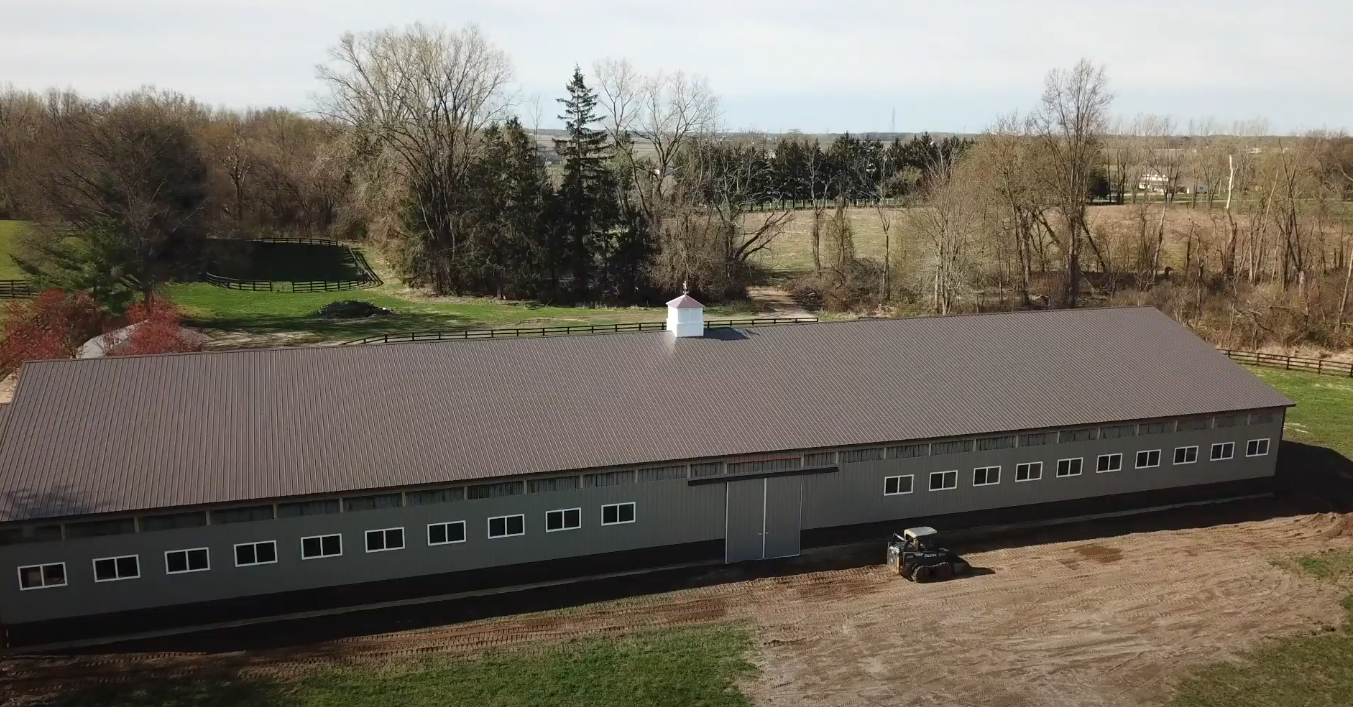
x=1105 y=463
x=314 y=547
x=110 y=569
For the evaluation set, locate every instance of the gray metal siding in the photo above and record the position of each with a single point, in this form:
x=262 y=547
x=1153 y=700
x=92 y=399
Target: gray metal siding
x=855 y=494
x=666 y=512
x=784 y=516
x=745 y=521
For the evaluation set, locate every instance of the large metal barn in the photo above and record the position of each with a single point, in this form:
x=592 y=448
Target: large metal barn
x=137 y=493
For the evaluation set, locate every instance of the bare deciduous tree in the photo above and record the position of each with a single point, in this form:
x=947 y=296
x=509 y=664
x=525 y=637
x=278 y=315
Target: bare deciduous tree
x=1069 y=127
x=651 y=120
x=1004 y=159
x=944 y=221
x=20 y=120
x=121 y=187
x=425 y=96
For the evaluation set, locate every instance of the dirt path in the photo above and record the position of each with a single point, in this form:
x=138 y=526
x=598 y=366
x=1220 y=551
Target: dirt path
x=1106 y=622
x=769 y=300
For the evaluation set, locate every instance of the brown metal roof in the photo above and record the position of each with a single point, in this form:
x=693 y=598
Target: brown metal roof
x=124 y=434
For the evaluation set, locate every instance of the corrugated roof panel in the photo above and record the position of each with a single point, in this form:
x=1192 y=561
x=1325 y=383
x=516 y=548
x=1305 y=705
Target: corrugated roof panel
x=120 y=434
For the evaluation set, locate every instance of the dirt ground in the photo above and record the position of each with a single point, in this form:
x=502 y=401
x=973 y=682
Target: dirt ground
x=1107 y=621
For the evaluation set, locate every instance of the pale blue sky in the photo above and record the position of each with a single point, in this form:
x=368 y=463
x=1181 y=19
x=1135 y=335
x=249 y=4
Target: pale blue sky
x=811 y=65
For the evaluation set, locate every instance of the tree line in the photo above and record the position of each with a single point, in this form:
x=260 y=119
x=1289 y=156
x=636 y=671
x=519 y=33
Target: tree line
x=123 y=191
x=419 y=145
x=1246 y=236
x=415 y=145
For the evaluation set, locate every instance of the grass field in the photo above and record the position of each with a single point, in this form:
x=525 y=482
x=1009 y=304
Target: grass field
x=1116 y=228
x=696 y=667
x=273 y=313
x=9 y=234
x=1324 y=412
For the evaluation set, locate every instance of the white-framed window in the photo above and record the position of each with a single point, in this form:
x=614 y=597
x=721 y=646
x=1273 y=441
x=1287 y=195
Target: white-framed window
x=1070 y=467
x=1222 y=451
x=1186 y=455
x=943 y=480
x=318 y=546
x=446 y=533
x=45 y=576
x=384 y=539
x=113 y=569
x=1256 y=448
x=1148 y=459
x=986 y=476
x=507 y=526
x=260 y=553
x=563 y=519
x=195 y=559
x=1108 y=462
x=1029 y=471
x=617 y=513
x=897 y=485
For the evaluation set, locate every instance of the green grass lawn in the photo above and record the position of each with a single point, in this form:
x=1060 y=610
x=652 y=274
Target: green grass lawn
x=9 y=234
x=695 y=667
x=1324 y=412
x=209 y=307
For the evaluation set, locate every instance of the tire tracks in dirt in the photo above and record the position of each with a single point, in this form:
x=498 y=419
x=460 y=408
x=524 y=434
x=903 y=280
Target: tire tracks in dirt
x=1107 y=622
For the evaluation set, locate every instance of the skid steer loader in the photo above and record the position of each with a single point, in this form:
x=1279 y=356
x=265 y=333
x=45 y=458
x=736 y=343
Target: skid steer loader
x=917 y=555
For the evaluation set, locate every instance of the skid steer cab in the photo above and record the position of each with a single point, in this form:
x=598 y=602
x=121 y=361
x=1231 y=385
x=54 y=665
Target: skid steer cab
x=916 y=554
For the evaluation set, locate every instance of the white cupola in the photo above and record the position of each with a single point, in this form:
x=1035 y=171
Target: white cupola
x=685 y=316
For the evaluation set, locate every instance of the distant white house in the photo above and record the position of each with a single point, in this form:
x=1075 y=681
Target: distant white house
x=1155 y=182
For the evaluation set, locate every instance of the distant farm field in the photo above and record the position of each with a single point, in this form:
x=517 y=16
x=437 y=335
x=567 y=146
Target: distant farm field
x=1118 y=229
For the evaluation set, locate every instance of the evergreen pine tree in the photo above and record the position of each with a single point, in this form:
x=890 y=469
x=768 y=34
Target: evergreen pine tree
x=529 y=196
x=586 y=196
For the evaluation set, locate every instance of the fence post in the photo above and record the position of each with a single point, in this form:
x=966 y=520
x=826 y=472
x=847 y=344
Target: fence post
x=1320 y=366
x=1289 y=362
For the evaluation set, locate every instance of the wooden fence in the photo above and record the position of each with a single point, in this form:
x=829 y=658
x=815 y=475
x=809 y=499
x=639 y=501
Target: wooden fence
x=16 y=289
x=231 y=283
x=1292 y=363
x=518 y=332
x=807 y=204
x=757 y=321
x=300 y=241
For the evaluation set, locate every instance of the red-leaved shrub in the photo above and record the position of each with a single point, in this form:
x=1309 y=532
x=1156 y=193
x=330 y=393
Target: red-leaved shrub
x=52 y=325
x=153 y=329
